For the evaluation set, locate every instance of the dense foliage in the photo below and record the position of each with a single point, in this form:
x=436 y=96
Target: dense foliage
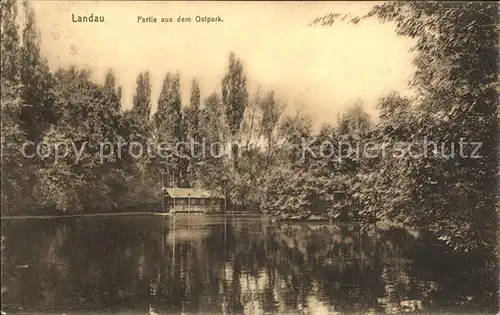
x=456 y=59
x=263 y=165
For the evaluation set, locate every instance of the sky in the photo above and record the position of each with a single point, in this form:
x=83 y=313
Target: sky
x=315 y=69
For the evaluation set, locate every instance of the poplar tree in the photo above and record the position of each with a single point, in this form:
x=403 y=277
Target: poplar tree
x=142 y=99
x=212 y=119
x=169 y=129
x=12 y=135
x=235 y=100
x=168 y=115
x=192 y=112
x=234 y=94
x=112 y=91
x=271 y=111
x=10 y=44
x=191 y=123
x=36 y=79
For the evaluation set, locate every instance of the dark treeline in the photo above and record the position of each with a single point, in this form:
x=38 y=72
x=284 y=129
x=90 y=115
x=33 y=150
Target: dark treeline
x=456 y=70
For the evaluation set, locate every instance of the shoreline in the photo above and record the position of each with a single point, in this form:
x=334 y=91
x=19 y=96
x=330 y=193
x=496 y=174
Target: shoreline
x=83 y=215
x=111 y=214
x=169 y=214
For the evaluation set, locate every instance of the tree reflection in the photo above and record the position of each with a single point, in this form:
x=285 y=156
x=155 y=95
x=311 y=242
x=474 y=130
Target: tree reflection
x=217 y=265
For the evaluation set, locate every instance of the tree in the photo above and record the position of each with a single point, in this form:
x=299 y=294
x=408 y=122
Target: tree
x=86 y=120
x=15 y=179
x=457 y=71
x=169 y=128
x=271 y=112
x=355 y=120
x=192 y=117
x=142 y=99
x=112 y=91
x=234 y=94
x=10 y=60
x=251 y=118
x=455 y=80
x=213 y=130
x=193 y=112
x=213 y=124
x=141 y=128
x=292 y=130
x=37 y=82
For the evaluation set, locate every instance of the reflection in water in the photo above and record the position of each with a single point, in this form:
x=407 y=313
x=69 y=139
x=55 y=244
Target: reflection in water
x=237 y=265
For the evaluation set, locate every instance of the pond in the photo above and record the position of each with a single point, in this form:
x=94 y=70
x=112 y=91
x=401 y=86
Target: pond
x=234 y=265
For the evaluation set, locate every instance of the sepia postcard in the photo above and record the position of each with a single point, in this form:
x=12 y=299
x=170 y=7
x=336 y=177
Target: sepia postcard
x=270 y=157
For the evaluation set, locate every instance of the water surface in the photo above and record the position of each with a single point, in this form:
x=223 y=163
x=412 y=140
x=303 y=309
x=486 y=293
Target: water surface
x=233 y=265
